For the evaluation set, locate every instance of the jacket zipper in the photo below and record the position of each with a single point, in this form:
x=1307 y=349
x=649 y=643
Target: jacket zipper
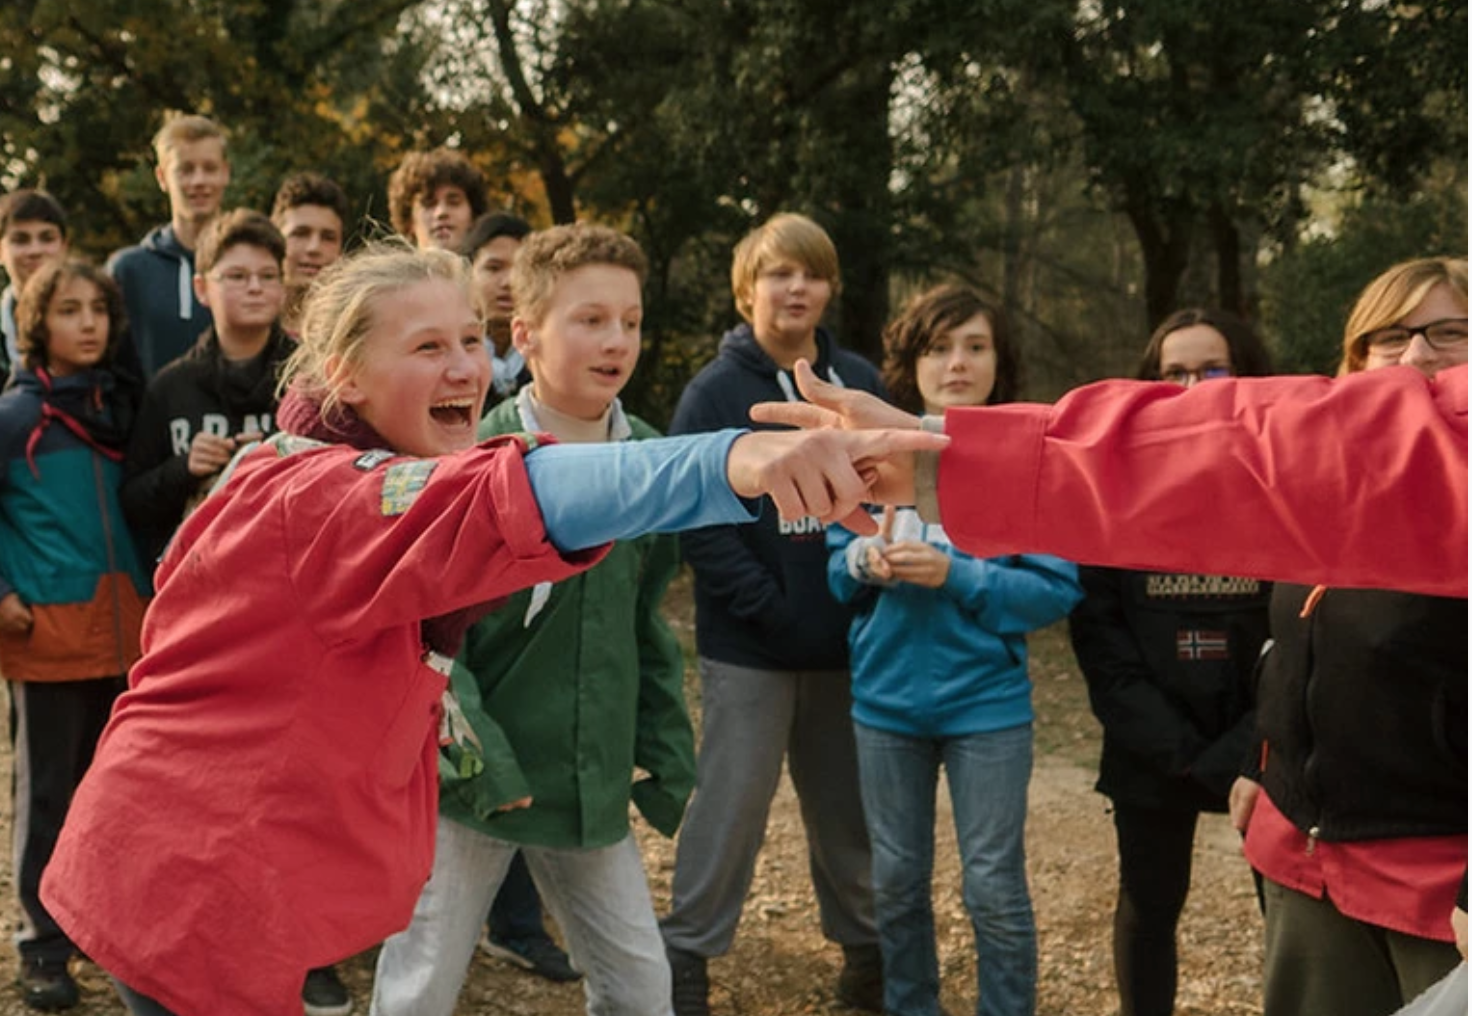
x=112 y=567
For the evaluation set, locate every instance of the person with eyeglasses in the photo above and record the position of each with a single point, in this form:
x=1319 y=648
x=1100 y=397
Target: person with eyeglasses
x=221 y=394
x=1356 y=810
x=1168 y=658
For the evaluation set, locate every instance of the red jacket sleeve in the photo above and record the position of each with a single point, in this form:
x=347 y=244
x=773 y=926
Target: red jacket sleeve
x=1359 y=481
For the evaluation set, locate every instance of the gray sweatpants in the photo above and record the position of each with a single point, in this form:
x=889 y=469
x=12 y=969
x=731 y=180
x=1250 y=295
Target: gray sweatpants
x=751 y=718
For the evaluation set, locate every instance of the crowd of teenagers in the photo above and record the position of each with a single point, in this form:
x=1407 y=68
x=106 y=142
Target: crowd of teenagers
x=331 y=615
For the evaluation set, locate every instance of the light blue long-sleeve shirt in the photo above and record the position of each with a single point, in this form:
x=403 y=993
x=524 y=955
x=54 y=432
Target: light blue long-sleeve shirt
x=593 y=493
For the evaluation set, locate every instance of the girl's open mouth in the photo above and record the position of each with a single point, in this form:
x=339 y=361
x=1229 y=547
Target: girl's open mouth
x=453 y=412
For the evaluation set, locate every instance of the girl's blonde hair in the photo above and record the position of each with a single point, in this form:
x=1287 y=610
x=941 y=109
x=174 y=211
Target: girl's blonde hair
x=1392 y=296
x=340 y=307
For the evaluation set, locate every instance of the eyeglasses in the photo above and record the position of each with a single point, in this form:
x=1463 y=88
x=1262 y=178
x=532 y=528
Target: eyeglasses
x=1182 y=376
x=239 y=278
x=1447 y=335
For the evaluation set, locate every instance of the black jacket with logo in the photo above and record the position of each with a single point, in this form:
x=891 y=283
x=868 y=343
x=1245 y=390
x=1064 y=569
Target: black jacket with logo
x=1169 y=660
x=199 y=392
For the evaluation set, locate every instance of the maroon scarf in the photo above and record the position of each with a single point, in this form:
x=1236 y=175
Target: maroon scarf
x=301 y=413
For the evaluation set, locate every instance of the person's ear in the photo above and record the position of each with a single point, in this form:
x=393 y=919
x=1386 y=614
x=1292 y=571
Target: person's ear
x=341 y=380
x=161 y=174
x=522 y=337
x=201 y=291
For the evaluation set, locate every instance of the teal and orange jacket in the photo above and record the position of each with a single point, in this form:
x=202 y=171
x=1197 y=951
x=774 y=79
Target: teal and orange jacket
x=64 y=549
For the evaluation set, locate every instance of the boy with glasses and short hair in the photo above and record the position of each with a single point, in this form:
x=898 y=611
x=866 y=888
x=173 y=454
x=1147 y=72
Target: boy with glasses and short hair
x=220 y=394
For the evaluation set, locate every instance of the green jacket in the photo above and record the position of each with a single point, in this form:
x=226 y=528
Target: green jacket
x=568 y=695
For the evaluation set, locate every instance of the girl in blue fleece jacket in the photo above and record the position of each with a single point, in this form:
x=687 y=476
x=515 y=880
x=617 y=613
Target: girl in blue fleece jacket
x=939 y=656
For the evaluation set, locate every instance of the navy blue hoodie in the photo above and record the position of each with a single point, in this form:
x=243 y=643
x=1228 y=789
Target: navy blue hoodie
x=165 y=318
x=761 y=590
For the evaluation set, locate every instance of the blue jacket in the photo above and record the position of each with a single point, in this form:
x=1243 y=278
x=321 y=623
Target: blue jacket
x=760 y=600
x=950 y=661
x=63 y=546
x=164 y=317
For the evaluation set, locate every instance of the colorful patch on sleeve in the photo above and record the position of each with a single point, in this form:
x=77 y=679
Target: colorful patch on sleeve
x=402 y=483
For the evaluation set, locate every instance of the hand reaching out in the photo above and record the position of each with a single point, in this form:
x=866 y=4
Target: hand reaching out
x=824 y=473
x=831 y=407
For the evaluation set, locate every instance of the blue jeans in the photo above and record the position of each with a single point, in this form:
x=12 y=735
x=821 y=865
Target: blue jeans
x=987 y=774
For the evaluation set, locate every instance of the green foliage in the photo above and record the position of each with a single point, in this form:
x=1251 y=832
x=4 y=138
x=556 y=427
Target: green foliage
x=1087 y=166
x=1308 y=292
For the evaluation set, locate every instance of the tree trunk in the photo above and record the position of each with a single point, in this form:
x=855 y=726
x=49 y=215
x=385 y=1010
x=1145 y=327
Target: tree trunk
x=1166 y=247
x=860 y=157
x=1228 y=244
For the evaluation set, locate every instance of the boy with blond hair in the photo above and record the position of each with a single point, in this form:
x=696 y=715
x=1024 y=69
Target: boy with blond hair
x=772 y=644
x=157 y=276
x=585 y=676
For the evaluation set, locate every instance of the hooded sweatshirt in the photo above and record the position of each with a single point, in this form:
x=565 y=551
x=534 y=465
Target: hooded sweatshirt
x=157 y=280
x=761 y=591
x=201 y=391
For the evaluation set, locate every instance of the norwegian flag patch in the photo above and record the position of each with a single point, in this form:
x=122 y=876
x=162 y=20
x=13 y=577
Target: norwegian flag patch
x=1199 y=644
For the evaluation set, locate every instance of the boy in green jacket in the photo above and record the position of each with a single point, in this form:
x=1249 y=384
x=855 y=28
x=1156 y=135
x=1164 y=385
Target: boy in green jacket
x=570 y=689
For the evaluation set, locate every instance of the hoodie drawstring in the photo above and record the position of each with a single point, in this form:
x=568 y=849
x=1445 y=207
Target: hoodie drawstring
x=186 y=290
x=790 y=393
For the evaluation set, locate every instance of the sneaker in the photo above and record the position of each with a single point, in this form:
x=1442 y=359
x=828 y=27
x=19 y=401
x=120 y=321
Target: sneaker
x=691 y=984
x=861 y=982
x=47 y=985
x=540 y=956
x=323 y=994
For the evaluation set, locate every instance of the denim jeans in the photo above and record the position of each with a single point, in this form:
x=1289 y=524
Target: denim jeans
x=600 y=898
x=987 y=774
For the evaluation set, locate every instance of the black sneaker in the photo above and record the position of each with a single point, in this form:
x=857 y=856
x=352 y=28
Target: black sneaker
x=690 y=985
x=861 y=982
x=324 y=994
x=47 y=985
x=540 y=956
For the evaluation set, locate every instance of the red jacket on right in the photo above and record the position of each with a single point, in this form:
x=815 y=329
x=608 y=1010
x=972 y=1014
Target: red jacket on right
x=1359 y=481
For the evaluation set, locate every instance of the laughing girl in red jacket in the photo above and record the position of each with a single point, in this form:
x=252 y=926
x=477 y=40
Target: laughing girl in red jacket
x=263 y=799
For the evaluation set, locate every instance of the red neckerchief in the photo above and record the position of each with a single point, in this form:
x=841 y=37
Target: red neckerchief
x=50 y=412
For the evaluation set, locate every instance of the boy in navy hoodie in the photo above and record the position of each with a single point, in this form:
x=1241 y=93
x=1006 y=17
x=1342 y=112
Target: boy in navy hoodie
x=772 y=644
x=157 y=276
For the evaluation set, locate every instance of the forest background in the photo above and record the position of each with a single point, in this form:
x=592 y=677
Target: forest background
x=1092 y=165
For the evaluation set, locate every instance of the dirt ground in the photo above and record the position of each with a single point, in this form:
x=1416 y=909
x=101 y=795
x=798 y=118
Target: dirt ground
x=781 y=964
